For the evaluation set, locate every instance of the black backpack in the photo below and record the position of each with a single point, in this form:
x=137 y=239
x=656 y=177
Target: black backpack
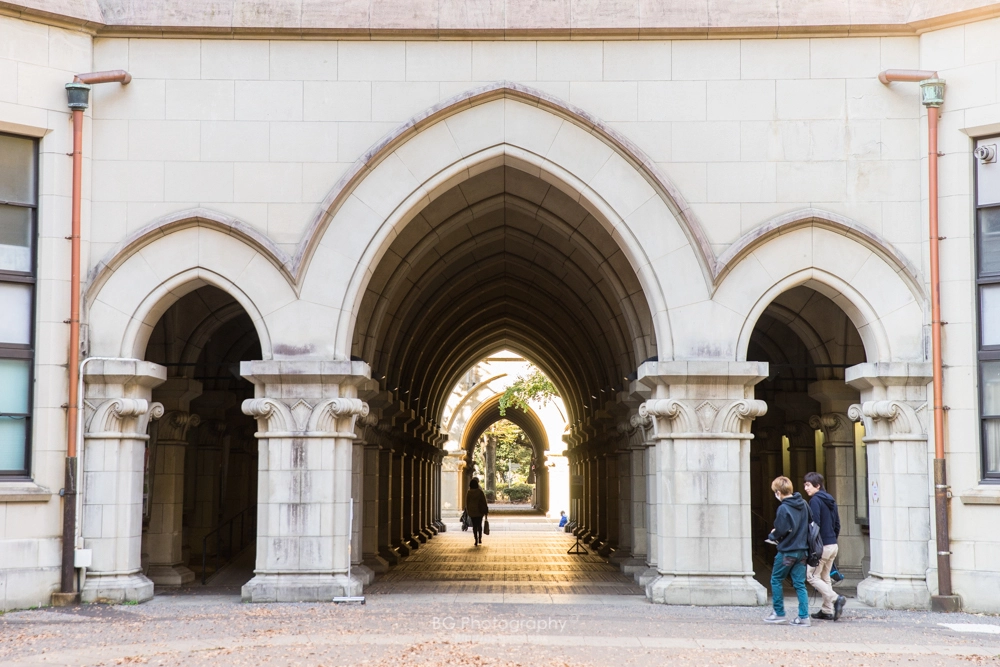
x=815 y=542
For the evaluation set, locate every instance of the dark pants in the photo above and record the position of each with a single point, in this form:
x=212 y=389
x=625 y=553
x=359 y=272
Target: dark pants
x=794 y=563
x=477 y=527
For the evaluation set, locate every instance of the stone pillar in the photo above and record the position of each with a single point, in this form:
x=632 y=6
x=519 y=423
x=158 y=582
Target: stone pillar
x=374 y=512
x=306 y=412
x=835 y=399
x=117 y=411
x=387 y=520
x=899 y=484
x=162 y=540
x=701 y=415
x=163 y=536
x=624 y=466
x=399 y=536
x=653 y=508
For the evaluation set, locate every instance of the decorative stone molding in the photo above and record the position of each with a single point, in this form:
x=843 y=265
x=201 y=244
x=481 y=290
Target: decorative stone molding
x=122 y=418
x=331 y=418
x=175 y=424
x=837 y=427
x=706 y=419
x=889 y=420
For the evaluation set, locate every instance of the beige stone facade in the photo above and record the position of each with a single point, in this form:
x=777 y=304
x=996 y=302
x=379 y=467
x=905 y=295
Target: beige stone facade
x=708 y=228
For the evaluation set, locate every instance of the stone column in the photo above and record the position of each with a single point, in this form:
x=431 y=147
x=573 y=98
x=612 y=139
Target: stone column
x=162 y=540
x=306 y=412
x=387 y=519
x=835 y=399
x=452 y=474
x=163 y=536
x=374 y=513
x=701 y=414
x=623 y=457
x=899 y=484
x=117 y=411
x=651 y=464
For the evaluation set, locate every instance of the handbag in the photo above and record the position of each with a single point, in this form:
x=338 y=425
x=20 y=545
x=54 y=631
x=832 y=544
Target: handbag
x=835 y=574
x=465 y=520
x=486 y=526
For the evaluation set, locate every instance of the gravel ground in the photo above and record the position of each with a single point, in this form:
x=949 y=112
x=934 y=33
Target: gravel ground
x=408 y=629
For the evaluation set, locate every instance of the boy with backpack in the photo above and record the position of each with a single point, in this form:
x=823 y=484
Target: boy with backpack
x=827 y=517
x=791 y=535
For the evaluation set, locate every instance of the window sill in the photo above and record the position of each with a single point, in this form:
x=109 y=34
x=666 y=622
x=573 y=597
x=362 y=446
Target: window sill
x=23 y=492
x=983 y=494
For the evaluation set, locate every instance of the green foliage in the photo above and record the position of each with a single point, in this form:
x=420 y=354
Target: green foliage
x=534 y=387
x=513 y=452
x=518 y=493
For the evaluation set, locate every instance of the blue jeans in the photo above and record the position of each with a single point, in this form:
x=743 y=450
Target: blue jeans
x=793 y=562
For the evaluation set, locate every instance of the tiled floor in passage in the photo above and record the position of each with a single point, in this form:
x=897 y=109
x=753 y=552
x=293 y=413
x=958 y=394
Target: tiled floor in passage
x=518 y=558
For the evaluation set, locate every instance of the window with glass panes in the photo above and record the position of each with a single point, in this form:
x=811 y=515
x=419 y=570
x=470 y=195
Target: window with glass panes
x=987 y=169
x=18 y=207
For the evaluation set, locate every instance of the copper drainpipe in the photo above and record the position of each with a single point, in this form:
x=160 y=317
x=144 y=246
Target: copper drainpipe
x=78 y=94
x=932 y=97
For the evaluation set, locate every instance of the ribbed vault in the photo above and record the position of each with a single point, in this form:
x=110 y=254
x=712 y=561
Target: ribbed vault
x=504 y=261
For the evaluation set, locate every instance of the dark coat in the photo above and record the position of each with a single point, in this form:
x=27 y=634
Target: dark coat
x=475 y=503
x=791 y=524
x=826 y=515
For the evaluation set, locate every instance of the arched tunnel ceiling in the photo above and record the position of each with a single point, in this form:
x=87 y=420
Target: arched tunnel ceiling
x=504 y=260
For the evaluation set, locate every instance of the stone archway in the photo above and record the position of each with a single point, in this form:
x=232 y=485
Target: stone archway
x=528 y=421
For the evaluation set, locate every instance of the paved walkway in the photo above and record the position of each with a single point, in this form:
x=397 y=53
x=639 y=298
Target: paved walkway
x=521 y=557
x=419 y=630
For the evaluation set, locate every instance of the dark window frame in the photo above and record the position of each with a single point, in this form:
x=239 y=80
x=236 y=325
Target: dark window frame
x=984 y=353
x=25 y=352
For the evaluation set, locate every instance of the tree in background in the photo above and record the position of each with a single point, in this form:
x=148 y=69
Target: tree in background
x=533 y=387
x=512 y=455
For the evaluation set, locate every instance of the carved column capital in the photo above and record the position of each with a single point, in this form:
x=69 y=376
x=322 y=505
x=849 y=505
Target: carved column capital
x=122 y=418
x=702 y=419
x=175 y=424
x=837 y=427
x=890 y=420
x=333 y=417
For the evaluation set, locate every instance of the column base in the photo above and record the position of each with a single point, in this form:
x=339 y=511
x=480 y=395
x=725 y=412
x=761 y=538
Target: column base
x=631 y=566
x=644 y=576
x=890 y=593
x=170 y=575
x=707 y=591
x=375 y=563
x=116 y=589
x=301 y=587
x=390 y=555
x=362 y=572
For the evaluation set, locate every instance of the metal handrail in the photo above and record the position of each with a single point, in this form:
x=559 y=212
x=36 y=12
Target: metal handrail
x=231 y=522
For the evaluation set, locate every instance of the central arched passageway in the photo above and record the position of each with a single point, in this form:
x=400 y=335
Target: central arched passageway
x=502 y=262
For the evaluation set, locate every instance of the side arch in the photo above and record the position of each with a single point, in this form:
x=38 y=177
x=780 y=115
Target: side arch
x=868 y=278
x=131 y=289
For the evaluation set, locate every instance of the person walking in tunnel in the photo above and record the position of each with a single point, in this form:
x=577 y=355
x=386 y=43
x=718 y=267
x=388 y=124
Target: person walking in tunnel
x=791 y=535
x=477 y=507
x=827 y=517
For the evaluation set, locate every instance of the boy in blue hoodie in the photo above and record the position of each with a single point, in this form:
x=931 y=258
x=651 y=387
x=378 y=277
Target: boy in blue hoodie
x=791 y=535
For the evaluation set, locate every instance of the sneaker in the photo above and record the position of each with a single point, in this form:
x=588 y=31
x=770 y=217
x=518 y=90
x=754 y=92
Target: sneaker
x=838 y=607
x=822 y=615
x=774 y=618
x=801 y=622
